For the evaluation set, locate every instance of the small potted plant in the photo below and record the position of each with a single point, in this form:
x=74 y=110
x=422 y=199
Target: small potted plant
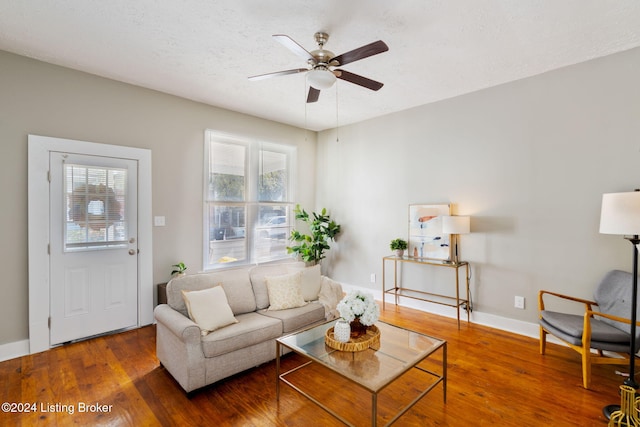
x=178 y=269
x=398 y=245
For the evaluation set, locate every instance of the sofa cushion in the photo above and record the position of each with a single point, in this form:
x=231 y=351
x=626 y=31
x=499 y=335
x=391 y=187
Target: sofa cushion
x=235 y=283
x=252 y=328
x=311 y=280
x=209 y=308
x=284 y=291
x=297 y=318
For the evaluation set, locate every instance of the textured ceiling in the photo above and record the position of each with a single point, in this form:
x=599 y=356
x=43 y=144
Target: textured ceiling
x=204 y=50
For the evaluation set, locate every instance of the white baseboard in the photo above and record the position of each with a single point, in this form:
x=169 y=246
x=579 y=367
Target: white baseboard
x=14 y=349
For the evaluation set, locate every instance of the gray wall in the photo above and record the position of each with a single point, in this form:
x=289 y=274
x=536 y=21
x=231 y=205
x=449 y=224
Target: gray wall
x=43 y=99
x=528 y=160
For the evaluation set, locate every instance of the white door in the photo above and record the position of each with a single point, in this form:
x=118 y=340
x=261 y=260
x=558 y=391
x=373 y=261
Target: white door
x=93 y=245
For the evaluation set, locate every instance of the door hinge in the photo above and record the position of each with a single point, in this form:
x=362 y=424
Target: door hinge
x=48 y=248
x=49 y=322
x=49 y=176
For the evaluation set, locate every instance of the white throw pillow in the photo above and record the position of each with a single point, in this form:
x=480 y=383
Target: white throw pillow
x=209 y=308
x=311 y=281
x=284 y=291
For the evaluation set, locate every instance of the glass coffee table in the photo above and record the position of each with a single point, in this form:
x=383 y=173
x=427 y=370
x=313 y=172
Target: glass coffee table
x=400 y=351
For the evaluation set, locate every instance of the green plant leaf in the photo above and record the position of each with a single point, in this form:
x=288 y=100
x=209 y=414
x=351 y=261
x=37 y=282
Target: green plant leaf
x=398 y=244
x=322 y=229
x=178 y=268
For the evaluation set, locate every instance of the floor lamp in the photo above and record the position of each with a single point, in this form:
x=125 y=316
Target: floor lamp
x=621 y=215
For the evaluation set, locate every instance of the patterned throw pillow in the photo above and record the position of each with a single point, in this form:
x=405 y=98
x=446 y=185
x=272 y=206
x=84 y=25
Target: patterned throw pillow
x=284 y=291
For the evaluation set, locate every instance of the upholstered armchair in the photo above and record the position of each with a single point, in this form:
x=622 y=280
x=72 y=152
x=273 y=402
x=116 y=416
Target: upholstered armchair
x=606 y=328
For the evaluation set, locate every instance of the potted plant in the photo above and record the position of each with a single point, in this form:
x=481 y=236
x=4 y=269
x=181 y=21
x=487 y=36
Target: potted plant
x=310 y=248
x=398 y=245
x=360 y=310
x=178 y=269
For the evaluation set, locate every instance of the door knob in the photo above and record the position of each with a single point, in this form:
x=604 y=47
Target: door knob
x=132 y=252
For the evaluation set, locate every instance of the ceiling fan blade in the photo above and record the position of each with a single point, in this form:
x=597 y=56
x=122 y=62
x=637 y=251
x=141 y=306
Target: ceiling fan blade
x=293 y=46
x=278 y=73
x=313 y=96
x=357 y=79
x=361 y=52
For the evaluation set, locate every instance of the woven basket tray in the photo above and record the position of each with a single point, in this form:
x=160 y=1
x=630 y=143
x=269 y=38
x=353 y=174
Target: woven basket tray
x=369 y=340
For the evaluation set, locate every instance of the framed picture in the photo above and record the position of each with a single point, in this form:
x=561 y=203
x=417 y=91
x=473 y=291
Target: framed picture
x=426 y=239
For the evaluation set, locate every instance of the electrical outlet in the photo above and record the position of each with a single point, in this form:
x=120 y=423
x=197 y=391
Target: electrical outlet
x=373 y=277
x=519 y=302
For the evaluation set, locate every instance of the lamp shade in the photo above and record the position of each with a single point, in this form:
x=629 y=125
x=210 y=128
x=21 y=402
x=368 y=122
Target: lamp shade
x=620 y=213
x=321 y=78
x=456 y=224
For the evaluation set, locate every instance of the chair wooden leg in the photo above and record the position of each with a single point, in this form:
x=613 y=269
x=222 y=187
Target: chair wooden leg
x=543 y=340
x=586 y=368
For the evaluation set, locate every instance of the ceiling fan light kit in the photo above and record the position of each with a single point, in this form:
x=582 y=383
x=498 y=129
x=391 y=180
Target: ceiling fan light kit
x=321 y=71
x=321 y=78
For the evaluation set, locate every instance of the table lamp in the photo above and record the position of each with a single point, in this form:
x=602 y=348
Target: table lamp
x=456 y=225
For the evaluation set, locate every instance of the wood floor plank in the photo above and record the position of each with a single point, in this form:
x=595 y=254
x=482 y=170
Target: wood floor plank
x=495 y=378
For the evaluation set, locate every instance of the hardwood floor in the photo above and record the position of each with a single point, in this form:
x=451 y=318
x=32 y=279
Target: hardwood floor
x=494 y=379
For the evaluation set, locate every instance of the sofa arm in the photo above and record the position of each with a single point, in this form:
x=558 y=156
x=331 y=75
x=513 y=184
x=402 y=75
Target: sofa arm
x=182 y=327
x=178 y=347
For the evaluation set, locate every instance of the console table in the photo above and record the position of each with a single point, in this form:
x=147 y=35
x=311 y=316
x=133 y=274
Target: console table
x=399 y=291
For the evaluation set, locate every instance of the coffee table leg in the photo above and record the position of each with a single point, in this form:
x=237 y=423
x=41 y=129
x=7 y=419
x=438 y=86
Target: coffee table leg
x=277 y=371
x=444 y=371
x=374 y=409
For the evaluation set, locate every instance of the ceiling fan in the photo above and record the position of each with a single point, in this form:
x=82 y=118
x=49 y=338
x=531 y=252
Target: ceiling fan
x=322 y=71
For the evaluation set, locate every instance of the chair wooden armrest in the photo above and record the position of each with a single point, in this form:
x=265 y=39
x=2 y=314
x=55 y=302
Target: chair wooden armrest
x=588 y=303
x=591 y=313
x=586 y=334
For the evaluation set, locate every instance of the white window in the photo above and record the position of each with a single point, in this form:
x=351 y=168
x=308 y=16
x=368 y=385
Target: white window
x=248 y=200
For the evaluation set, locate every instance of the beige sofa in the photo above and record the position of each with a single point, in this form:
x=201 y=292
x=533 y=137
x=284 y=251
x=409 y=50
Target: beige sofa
x=196 y=358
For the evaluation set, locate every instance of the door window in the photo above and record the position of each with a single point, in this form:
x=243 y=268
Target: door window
x=94 y=207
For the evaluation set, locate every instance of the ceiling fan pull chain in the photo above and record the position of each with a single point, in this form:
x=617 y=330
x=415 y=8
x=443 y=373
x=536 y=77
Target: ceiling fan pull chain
x=304 y=91
x=337 y=121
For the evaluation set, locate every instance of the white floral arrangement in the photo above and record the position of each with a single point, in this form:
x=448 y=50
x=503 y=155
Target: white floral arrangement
x=358 y=304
